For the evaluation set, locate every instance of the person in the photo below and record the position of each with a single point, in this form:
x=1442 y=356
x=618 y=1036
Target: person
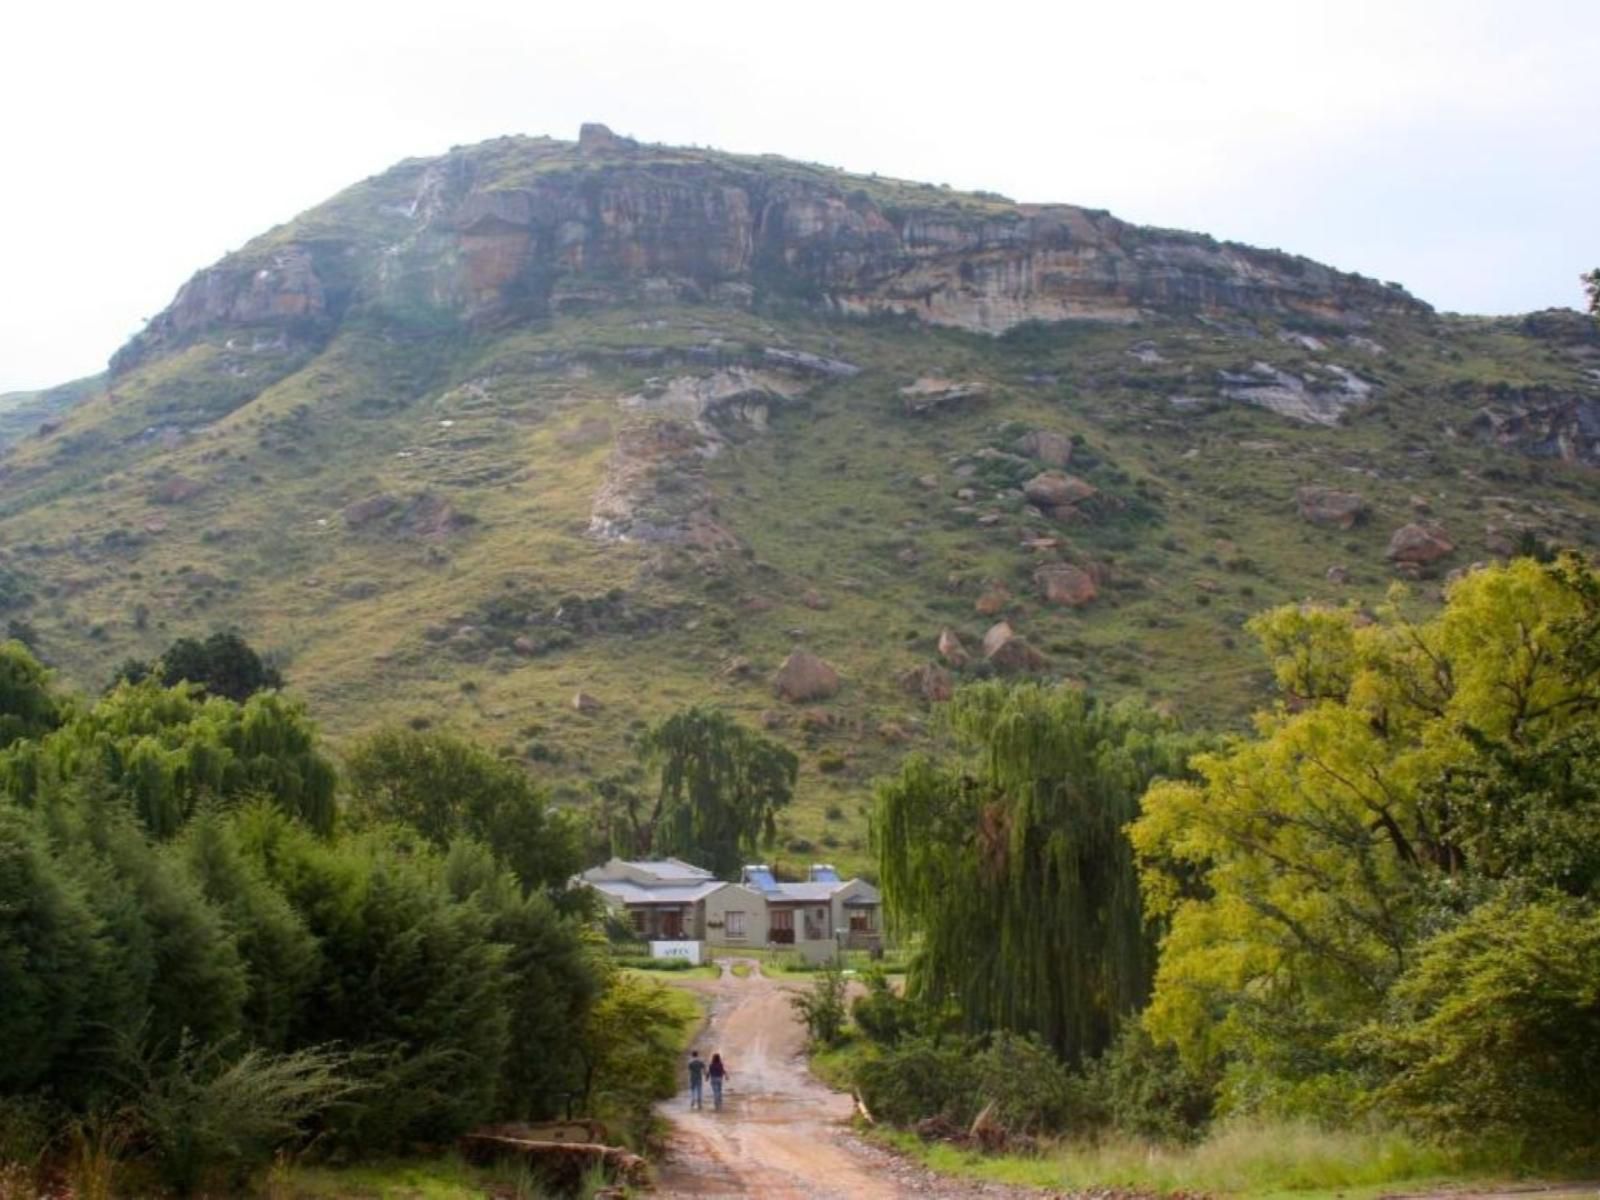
x=697 y=1073
x=718 y=1073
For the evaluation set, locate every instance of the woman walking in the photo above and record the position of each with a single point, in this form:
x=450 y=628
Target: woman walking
x=718 y=1073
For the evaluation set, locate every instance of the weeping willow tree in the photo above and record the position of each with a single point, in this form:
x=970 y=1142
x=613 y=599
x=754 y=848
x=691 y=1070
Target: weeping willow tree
x=1012 y=866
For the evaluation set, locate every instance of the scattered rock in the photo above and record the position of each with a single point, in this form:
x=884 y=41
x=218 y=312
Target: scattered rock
x=951 y=648
x=818 y=720
x=737 y=667
x=771 y=719
x=585 y=703
x=930 y=482
x=1314 y=401
x=156 y=525
x=364 y=512
x=1041 y=445
x=995 y=598
x=1419 y=544
x=1056 y=489
x=1330 y=506
x=803 y=676
x=931 y=394
x=931 y=682
x=1420 y=504
x=908 y=556
x=1008 y=652
x=810 y=364
x=1065 y=584
x=1338 y=575
x=814 y=599
x=525 y=646
x=176 y=489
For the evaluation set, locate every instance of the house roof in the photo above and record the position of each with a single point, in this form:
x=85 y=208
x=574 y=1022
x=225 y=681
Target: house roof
x=669 y=869
x=629 y=892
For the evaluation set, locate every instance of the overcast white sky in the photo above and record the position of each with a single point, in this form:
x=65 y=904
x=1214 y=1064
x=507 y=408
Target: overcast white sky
x=1453 y=146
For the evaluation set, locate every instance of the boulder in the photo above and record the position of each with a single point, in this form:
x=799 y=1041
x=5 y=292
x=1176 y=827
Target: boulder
x=994 y=599
x=1330 y=506
x=364 y=512
x=176 y=489
x=1057 y=489
x=1008 y=652
x=525 y=646
x=932 y=393
x=1337 y=574
x=951 y=648
x=583 y=702
x=814 y=599
x=803 y=676
x=1065 y=584
x=737 y=667
x=931 y=682
x=1052 y=449
x=1419 y=544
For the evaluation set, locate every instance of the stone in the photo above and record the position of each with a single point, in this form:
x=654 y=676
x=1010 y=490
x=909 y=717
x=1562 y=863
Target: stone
x=1066 y=585
x=932 y=393
x=156 y=525
x=176 y=489
x=1042 y=445
x=930 y=682
x=818 y=720
x=1005 y=651
x=1056 y=489
x=951 y=648
x=1337 y=575
x=1421 y=504
x=771 y=719
x=996 y=636
x=364 y=512
x=814 y=599
x=525 y=646
x=803 y=676
x=994 y=599
x=585 y=703
x=1330 y=506
x=1419 y=544
x=595 y=138
x=737 y=667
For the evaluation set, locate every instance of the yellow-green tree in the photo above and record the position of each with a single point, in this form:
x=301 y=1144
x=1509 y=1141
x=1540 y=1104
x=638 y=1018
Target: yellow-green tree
x=1393 y=790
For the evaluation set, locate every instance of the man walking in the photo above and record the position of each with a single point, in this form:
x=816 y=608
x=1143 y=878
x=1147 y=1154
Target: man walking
x=697 y=1075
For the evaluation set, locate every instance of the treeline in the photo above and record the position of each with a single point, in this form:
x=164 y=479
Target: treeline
x=1383 y=905
x=213 y=943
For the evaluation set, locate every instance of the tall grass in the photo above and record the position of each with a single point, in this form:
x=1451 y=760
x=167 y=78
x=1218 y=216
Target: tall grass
x=1241 y=1158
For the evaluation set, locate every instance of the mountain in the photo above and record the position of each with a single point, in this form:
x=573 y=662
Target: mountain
x=544 y=439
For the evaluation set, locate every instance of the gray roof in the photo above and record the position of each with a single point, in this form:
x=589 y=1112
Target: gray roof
x=670 y=868
x=661 y=893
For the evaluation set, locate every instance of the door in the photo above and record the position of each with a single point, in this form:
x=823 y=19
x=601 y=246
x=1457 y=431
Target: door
x=672 y=925
x=781 y=925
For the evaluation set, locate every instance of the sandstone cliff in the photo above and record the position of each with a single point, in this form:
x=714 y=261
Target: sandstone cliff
x=521 y=228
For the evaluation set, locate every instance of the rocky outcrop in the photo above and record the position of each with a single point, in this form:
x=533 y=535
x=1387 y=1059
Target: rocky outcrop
x=1056 y=489
x=1540 y=422
x=1419 y=544
x=1313 y=399
x=951 y=648
x=521 y=227
x=804 y=677
x=1006 y=651
x=931 y=394
x=655 y=489
x=1330 y=506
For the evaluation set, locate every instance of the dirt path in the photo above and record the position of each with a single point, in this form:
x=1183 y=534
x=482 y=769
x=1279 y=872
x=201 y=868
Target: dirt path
x=780 y=1133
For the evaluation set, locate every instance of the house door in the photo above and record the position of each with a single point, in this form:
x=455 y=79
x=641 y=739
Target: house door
x=671 y=925
x=781 y=926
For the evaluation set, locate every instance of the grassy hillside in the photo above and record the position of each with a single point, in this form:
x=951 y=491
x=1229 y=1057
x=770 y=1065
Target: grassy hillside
x=389 y=511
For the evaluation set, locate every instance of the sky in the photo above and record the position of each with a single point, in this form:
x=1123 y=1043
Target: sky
x=1453 y=146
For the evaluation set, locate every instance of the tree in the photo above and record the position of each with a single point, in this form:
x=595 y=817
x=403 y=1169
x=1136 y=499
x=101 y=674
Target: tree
x=720 y=788
x=445 y=787
x=223 y=664
x=1591 y=284
x=28 y=706
x=1012 y=865
x=1301 y=872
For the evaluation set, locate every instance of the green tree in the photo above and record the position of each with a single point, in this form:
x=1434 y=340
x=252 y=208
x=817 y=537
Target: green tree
x=1012 y=867
x=1303 y=869
x=720 y=788
x=1591 y=284
x=223 y=665
x=445 y=787
x=29 y=707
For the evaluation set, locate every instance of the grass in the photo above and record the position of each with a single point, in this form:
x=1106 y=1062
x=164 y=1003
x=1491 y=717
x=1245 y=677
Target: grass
x=1245 y=1159
x=443 y=1178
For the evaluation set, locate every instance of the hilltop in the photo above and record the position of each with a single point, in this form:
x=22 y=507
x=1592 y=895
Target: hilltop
x=537 y=418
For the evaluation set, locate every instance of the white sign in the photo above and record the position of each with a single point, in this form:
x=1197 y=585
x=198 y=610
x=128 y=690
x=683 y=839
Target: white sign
x=684 y=950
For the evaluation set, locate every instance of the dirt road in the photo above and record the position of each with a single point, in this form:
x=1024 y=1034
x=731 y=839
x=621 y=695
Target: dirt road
x=780 y=1133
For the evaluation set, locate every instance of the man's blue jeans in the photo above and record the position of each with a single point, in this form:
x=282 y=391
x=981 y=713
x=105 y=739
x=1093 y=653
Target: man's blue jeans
x=696 y=1090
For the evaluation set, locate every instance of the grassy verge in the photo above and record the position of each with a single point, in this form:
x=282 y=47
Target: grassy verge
x=1260 y=1160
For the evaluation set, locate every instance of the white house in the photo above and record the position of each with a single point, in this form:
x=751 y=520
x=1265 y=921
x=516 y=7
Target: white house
x=671 y=900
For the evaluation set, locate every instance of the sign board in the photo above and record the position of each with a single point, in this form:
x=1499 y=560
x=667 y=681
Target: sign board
x=689 y=951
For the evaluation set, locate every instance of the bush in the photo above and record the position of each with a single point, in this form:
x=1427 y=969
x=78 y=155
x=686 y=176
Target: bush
x=822 y=1008
x=1029 y=1090
x=921 y=1078
x=1146 y=1091
x=881 y=1015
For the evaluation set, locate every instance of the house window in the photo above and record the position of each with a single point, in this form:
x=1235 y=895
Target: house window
x=861 y=920
x=734 y=924
x=638 y=920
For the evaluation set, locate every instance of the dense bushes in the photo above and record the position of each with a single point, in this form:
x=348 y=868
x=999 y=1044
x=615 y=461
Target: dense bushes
x=191 y=939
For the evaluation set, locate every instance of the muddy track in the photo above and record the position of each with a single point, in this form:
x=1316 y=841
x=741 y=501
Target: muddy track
x=780 y=1133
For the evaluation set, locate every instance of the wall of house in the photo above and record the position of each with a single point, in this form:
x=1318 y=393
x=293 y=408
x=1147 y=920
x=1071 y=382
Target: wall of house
x=739 y=899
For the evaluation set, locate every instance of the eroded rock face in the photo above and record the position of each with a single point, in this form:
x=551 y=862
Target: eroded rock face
x=1317 y=399
x=804 y=677
x=1419 y=544
x=1041 y=445
x=655 y=489
x=528 y=226
x=1330 y=506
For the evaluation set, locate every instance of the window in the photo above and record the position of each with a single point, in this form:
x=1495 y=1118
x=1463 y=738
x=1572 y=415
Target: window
x=861 y=920
x=638 y=920
x=734 y=924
